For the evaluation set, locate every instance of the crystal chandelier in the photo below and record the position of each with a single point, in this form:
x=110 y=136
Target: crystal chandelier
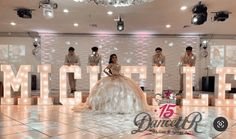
x=117 y=3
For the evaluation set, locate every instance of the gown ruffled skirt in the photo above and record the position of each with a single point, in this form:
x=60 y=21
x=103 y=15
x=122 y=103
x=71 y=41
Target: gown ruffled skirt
x=117 y=94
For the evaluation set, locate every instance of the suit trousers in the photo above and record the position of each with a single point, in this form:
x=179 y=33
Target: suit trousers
x=72 y=81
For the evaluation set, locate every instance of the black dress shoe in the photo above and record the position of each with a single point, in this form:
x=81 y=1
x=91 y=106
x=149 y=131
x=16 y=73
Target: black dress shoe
x=72 y=91
x=59 y=103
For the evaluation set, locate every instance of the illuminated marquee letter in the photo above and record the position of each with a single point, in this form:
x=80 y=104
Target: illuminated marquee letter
x=93 y=70
x=188 y=89
x=141 y=70
x=44 y=70
x=63 y=89
x=128 y=70
x=158 y=71
x=21 y=79
x=221 y=86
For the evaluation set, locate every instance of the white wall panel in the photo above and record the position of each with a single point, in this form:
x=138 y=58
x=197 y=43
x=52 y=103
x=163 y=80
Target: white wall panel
x=131 y=50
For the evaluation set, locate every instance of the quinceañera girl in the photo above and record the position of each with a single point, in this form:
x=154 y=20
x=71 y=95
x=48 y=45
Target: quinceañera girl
x=115 y=93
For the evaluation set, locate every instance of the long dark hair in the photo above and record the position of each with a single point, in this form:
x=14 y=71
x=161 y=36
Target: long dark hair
x=110 y=60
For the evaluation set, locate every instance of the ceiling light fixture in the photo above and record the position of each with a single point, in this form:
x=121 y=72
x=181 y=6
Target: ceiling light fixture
x=120 y=25
x=76 y=24
x=200 y=14
x=221 y=15
x=24 y=13
x=48 y=8
x=36 y=42
x=66 y=11
x=204 y=44
x=109 y=12
x=168 y=26
x=13 y=23
x=183 y=8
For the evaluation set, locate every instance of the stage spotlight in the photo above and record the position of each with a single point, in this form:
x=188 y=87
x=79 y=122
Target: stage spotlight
x=120 y=25
x=199 y=19
x=24 y=13
x=48 y=8
x=48 y=11
x=221 y=15
x=200 y=14
x=36 y=42
x=200 y=8
x=204 y=44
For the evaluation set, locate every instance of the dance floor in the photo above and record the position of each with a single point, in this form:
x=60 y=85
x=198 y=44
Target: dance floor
x=60 y=122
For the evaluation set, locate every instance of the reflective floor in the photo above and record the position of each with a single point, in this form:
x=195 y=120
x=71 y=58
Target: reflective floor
x=60 y=122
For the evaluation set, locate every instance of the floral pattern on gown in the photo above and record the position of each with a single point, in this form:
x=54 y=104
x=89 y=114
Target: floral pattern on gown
x=115 y=94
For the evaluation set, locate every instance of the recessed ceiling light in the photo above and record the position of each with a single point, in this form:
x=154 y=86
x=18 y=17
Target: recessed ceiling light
x=13 y=23
x=109 y=12
x=79 y=0
x=183 y=8
x=66 y=11
x=76 y=24
x=168 y=26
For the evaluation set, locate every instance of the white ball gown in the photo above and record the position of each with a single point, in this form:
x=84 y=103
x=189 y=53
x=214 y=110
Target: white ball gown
x=115 y=94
